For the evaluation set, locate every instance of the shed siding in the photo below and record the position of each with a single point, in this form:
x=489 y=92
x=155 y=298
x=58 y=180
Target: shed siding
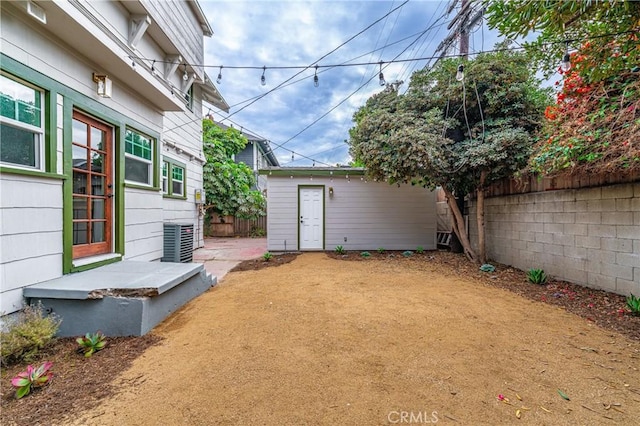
x=369 y=214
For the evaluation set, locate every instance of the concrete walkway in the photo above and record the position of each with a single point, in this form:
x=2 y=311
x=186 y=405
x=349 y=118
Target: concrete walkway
x=220 y=255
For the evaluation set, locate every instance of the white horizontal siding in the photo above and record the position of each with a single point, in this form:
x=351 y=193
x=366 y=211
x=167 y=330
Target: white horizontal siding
x=143 y=225
x=30 y=235
x=28 y=42
x=368 y=214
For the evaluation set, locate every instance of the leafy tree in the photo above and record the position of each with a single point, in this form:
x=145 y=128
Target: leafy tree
x=606 y=31
x=594 y=127
x=460 y=135
x=227 y=183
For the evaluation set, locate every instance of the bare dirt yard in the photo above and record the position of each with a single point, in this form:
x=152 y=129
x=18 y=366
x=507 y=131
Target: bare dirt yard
x=329 y=340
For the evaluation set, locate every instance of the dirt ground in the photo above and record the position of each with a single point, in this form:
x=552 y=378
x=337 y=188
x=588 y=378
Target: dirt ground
x=324 y=340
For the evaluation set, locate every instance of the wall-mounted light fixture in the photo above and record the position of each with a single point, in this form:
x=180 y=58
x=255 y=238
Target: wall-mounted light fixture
x=331 y=191
x=103 y=87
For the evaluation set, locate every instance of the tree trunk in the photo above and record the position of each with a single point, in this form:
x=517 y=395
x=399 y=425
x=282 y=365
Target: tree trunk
x=482 y=253
x=458 y=226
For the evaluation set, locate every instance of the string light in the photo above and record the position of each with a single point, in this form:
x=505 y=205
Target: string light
x=153 y=67
x=381 y=76
x=316 y=81
x=565 y=65
x=219 y=79
x=263 y=79
x=292 y=158
x=460 y=73
x=185 y=76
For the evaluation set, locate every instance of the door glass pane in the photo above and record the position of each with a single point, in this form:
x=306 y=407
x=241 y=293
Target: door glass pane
x=19 y=146
x=97 y=208
x=97 y=232
x=80 y=231
x=79 y=134
x=79 y=157
x=97 y=185
x=79 y=182
x=80 y=207
x=97 y=160
x=97 y=138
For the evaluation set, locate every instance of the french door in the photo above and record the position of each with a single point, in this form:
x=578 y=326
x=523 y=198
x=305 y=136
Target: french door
x=92 y=186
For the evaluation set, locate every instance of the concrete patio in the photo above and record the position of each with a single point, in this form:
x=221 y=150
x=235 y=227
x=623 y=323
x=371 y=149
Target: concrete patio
x=220 y=255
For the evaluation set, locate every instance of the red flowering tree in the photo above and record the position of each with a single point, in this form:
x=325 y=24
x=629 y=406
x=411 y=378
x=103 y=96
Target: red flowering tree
x=593 y=127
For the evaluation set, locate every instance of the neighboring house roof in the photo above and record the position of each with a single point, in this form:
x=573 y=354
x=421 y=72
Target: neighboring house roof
x=211 y=94
x=262 y=143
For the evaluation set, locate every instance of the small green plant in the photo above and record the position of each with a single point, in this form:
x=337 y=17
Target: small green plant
x=419 y=249
x=633 y=303
x=32 y=378
x=381 y=250
x=267 y=256
x=536 y=276
x=23 y=338
x=91 y=343
x=407 y=253
x=365 y=254
x=340 y=250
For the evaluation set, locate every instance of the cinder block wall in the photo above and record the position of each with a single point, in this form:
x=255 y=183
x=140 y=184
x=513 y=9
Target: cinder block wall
x=589 y=236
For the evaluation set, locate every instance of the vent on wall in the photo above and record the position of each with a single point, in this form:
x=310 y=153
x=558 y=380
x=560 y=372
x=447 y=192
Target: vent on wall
x=178 y=242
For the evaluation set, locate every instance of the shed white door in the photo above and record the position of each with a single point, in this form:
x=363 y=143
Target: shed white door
x=311 y=218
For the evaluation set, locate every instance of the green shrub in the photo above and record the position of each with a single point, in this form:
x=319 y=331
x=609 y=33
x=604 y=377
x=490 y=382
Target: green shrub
x=257 y=232
x=340 y=250
x=28 y=334
x=365 y=254
x=419 y=249
x=381 y=250
x=536 y=276
x=407 y=253
x=267 y=256
x=634 y=304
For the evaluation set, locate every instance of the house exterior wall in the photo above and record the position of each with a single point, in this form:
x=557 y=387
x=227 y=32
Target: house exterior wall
x=59 y=58
x=588 y=236
x=368 y=214
x=30 y=235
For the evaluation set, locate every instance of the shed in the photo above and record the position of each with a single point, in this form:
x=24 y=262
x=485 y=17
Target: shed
x=320 y=208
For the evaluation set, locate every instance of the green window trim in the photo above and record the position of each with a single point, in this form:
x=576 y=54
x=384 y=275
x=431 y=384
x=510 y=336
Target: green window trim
x=45 y=105
x=140 y=151
x=176 y=172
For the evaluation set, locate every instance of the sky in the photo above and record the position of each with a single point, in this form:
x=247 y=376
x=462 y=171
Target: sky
x=299 y=33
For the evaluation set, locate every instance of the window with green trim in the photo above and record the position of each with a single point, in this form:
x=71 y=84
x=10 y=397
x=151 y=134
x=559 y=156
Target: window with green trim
x=173 y=178
x=21 y=124
x=165 y=177
x=138 y=158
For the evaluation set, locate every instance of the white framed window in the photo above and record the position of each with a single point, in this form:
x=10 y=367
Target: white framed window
x=165 y=177
x=177 y=180
x=21 y=124
x=138 y=158
x=174 y=177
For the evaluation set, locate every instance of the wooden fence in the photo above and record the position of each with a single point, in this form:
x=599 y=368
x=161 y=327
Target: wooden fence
x=230 y=226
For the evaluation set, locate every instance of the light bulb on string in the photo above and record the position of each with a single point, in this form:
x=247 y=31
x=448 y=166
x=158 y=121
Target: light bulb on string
x=292 y=157
x=185 y=76
x=316 y=81
x=565 y=65
x=219 y=79
x=460 y=73
x=263 y=79
x=153 y=67
x=382 y=82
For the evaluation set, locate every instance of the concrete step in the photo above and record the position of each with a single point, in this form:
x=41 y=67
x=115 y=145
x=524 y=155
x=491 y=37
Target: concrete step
x=121 y=299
